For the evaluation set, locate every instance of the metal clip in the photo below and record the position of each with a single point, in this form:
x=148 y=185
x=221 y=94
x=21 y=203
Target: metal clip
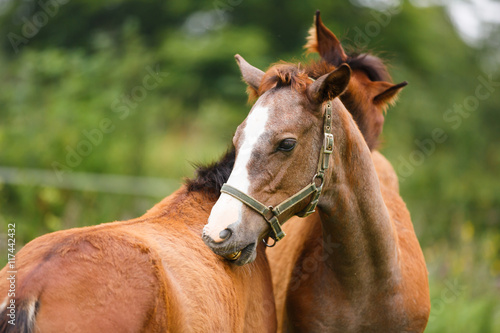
x=328 y=144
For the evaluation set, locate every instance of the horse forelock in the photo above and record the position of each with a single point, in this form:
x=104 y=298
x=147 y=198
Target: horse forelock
x=285 y=74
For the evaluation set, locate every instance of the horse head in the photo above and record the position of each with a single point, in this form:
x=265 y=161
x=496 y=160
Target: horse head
x=370 y=90
x=279 y=157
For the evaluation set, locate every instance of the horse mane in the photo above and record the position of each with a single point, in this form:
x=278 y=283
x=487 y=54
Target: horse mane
x=210 y=178
x=371 y=65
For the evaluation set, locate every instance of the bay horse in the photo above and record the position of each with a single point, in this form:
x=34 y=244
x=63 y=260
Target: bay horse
x=150 y=274
x=354 y=263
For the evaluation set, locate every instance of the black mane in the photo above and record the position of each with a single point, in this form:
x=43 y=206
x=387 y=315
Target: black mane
x=210 y=178
x=371 y=65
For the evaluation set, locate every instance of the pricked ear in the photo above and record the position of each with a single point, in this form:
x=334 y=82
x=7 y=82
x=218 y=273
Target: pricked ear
x=388 y=92
x=251 y=75
x=330 y=85
x=323 y=41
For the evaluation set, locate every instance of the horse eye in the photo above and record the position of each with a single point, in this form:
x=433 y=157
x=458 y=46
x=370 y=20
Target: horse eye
x=287 y=145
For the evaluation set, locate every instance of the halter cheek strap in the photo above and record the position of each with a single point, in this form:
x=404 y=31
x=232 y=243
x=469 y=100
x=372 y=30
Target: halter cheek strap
x=278 y=215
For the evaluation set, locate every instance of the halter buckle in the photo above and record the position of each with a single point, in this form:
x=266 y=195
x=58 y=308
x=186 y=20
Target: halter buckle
x=328 y=143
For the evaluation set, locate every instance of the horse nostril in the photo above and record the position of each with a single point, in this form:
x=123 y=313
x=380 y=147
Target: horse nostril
x=225 y=233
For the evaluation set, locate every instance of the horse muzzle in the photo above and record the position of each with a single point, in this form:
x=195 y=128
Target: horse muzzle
x=238 y=253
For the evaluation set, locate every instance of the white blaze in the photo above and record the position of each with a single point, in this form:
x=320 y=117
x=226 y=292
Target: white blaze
x=227 y=210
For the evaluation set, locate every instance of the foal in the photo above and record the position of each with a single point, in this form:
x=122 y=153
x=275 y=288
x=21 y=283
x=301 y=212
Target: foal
x=299 y=141
x=151 y=274
x=295 y=261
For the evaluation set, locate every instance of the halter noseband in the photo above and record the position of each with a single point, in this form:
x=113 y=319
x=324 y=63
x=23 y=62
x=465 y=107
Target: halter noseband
x=273 y=214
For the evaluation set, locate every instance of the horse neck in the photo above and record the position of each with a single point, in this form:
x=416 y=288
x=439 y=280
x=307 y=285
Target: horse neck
x=353 y=213
x=190 y=208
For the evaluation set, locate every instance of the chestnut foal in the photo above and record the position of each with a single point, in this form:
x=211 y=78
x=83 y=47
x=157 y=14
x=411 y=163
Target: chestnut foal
x=151 y=274
x=298 y=148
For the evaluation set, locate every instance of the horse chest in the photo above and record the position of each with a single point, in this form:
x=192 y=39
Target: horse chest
x=317 y=304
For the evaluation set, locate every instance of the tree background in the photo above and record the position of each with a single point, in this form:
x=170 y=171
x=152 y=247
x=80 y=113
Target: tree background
x=104 y=106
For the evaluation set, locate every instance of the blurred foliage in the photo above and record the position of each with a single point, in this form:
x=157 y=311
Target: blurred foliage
x=161 y=76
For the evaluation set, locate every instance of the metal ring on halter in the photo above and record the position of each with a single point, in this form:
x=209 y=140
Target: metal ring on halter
x=268 y=244
x=321 y=177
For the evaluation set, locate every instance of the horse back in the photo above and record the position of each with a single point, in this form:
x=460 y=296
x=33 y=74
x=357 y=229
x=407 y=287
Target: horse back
x=88 y=280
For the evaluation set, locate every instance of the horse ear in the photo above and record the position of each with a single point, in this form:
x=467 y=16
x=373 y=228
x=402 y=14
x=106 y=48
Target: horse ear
x=330 y=85
x=251 y=75
x=387 y=92
x=323 y=41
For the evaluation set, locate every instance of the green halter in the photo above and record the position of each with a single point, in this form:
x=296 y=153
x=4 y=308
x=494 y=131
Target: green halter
x=278 y=215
